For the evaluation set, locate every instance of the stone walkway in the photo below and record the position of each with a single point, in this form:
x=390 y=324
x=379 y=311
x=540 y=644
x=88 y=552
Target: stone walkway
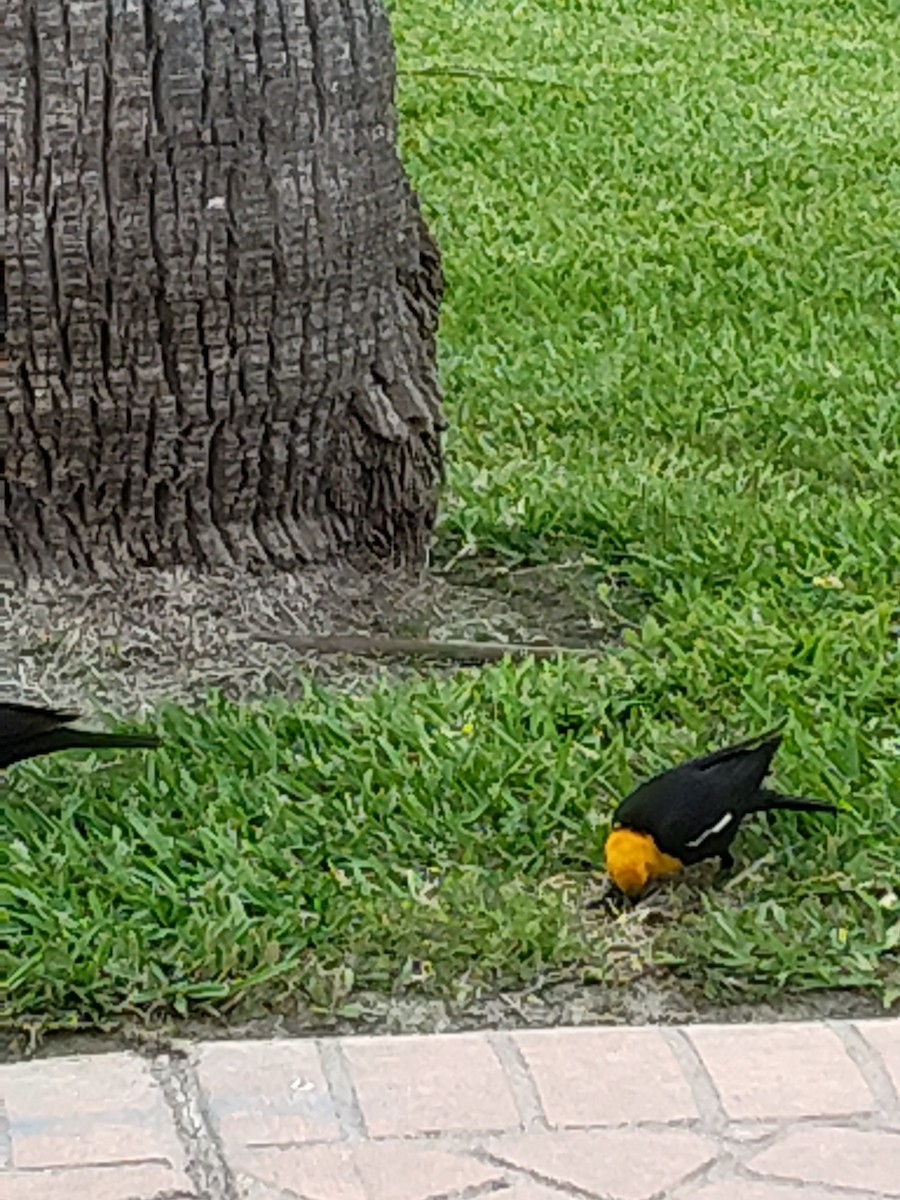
x=762 y=1112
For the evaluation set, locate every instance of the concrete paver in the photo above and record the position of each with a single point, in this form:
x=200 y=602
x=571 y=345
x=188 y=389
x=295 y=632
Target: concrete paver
x=527 y=1189
x=120 y=1181
x=600 y=1076
x=764 y=1112
x=266 y=1092
x=413 y=1085
x=849 y=1158
x=609 y=1162
x=884 y=1038
x=369 y=1171
x=789 y=1070
x=98 y=1117
x=744 y=1189
x=313 y=1172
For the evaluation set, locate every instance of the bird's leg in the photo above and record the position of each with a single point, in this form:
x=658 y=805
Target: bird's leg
x=726 y=862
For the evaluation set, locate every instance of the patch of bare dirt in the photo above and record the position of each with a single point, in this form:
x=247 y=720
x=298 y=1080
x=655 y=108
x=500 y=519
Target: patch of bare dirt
x=127 y=644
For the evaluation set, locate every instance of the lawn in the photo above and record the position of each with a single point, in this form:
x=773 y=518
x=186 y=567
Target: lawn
x=671 y=349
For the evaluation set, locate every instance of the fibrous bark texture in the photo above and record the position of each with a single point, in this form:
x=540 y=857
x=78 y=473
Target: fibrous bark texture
x=221 y=296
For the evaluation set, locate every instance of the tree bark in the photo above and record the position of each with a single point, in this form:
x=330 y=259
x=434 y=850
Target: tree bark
x=221 y=297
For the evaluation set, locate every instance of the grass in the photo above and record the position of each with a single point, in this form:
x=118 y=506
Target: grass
x=670 y=346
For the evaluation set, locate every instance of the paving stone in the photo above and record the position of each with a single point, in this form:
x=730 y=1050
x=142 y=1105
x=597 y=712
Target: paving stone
x=100 y=1127
x=269 y=1092
x=624 y=1164
x=743 y=1189
x=414 y=1085
x=88 y=1111
x=884 y=1038
x=849 y=1158
x=407 y=1171
x=372 y=1171
x=252 y=1189
x=144 y=1182
x=527 y=1189
x=751 y=1131
x=313 y=1172
x=606 y=1076
x=787 y=1070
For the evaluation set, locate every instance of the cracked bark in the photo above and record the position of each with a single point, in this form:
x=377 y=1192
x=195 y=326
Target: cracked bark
x=221 y=296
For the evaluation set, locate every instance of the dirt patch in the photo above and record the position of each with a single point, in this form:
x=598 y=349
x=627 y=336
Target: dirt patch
x=127 y=644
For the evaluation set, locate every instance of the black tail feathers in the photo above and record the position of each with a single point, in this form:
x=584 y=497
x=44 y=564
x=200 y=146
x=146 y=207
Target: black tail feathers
x=83 y=739
x=769 y=800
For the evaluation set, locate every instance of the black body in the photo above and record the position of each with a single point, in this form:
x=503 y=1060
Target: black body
x=27 y=731
x=693 y=811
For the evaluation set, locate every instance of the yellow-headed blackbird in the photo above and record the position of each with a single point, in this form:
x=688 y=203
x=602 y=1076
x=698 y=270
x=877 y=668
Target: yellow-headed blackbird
x=27 y=731
x=693 y=811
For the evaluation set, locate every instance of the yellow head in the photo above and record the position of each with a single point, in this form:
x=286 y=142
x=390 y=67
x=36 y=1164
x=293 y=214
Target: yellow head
x=633 y=859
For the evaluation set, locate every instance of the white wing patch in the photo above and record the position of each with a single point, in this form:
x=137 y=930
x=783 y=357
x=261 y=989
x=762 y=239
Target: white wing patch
x=721 y=824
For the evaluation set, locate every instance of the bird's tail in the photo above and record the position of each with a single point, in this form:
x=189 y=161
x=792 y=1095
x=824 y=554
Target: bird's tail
x=769 y=800
x=89 y=739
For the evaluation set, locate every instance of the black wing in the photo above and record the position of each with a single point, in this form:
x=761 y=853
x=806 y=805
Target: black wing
x=772 y=737
x=693 y=810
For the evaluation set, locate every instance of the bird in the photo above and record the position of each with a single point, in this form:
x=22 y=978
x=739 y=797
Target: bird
x=693 y=811
x=28 y=730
